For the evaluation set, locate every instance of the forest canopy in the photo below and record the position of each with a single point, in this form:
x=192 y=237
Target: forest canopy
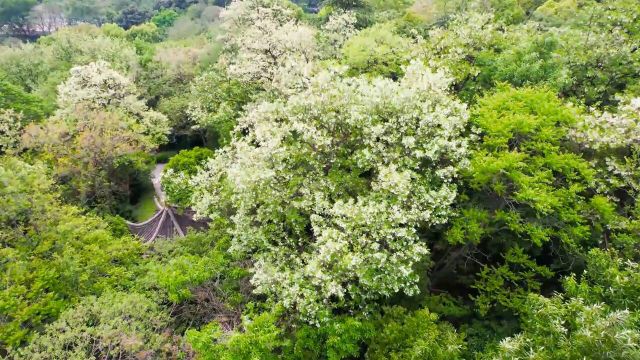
x=380 y=179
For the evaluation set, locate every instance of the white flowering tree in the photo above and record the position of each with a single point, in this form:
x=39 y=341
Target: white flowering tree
x=327 y=189
x=266 y=47
x=95 y=139
x=610 y=130
x=265 y=42
x=97 y=86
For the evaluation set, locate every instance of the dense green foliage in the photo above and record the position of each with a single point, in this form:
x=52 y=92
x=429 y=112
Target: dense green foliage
x=383 y=179
x=52 y=254
x=16 y=99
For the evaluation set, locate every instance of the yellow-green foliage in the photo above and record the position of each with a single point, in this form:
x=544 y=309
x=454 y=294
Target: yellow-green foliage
x=524 y=172
x=52 y=254
x=377 y=51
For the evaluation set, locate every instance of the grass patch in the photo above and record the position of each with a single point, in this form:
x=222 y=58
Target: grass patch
x=146 y=207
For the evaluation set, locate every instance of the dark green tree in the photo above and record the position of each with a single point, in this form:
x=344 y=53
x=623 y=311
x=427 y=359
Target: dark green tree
x=132 y=15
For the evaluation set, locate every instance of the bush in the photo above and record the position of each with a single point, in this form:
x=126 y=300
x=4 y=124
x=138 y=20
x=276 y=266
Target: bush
x=189 y=161
x=112 y=326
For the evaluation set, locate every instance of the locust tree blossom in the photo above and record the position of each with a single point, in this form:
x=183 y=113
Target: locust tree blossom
x=98 y=87
x=11 y=124
x=557 y=329
x=614 y=138
x=340 y=26
x=465 y=35
x=265 y=42
x=611 y=129
x=327 y=189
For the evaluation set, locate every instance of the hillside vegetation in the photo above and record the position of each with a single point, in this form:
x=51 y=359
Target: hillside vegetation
x=383 y=179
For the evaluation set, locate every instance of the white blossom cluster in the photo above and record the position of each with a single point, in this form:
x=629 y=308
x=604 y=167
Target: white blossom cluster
x=465 y=34
x=10 y=129
x=574 y=328
x=605 y=130
x=612 y=134
x=97 y=86
x=340 y=26
x=101 y=86
x=265 y=42
x=328 y=188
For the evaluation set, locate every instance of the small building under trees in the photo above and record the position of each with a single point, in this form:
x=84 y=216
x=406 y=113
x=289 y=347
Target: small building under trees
x=166 y=223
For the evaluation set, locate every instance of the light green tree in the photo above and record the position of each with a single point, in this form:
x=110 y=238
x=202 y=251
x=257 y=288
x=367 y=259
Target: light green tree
x=113 y=326
x=556 y=328
x=51 y=253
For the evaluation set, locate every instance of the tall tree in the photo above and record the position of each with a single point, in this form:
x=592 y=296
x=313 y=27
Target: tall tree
x=327 y=190
x=95 y=138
